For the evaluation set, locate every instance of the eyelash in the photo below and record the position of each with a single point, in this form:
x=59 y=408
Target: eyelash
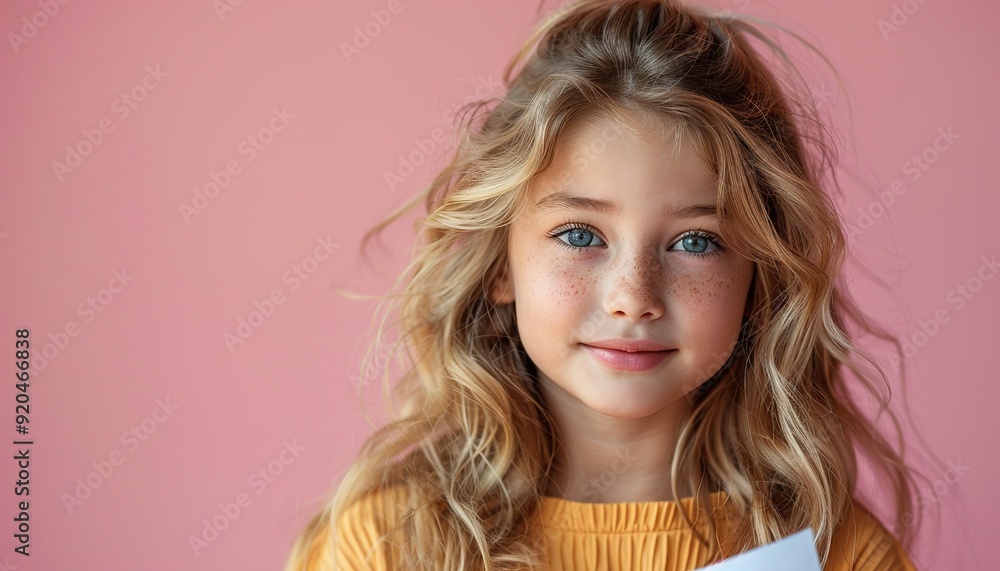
x=569 y=225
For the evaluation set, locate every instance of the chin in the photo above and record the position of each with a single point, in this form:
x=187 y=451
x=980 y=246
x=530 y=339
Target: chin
x=629 y=408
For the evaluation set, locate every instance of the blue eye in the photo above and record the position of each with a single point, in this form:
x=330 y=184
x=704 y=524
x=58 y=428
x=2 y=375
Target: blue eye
x=578 y=237
x=698 y=243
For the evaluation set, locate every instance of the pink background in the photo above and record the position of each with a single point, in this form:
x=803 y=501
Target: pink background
x=322 y=177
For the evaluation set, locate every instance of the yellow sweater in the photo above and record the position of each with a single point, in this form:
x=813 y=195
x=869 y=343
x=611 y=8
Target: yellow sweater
x=614 y=536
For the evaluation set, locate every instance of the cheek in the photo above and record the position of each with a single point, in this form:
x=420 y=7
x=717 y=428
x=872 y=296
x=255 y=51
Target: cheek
x=560 y=289
x=553 y=299
x=709 y=310
x=710 y=302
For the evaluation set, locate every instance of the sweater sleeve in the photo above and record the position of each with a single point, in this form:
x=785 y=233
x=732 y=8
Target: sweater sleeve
x=862 y=543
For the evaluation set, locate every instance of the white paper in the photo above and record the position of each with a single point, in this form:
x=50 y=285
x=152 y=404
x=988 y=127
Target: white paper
x=797 y=552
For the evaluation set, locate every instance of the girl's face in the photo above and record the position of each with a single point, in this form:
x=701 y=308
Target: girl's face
x=618 y=243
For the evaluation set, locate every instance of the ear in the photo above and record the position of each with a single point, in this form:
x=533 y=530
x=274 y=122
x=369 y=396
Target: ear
x=502 y=291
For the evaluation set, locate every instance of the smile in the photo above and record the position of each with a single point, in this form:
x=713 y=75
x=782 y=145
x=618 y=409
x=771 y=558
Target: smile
x=628 y=361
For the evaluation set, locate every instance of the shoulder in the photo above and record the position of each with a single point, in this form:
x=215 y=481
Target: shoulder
x=358 y=528
x=862 y=543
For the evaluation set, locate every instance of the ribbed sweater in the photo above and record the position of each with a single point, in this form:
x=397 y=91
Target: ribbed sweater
x=622 y=536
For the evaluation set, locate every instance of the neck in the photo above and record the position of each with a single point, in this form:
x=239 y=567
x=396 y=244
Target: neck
x=604 y=459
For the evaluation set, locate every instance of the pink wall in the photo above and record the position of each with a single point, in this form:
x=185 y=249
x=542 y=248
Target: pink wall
x=181 y=92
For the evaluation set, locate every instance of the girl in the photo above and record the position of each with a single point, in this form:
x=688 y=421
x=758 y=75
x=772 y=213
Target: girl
x=625 y=325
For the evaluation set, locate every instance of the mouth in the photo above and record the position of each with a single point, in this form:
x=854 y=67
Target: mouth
x=629 y=360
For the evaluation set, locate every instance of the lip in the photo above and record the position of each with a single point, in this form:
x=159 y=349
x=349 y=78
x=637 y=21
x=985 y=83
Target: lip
x=624 y=360
x=629 y=345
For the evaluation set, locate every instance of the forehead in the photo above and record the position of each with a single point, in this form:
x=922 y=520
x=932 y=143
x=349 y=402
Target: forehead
x=619 y=125
x=608 y=151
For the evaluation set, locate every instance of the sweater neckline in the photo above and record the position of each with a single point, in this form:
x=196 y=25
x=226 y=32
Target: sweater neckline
x=625 y=517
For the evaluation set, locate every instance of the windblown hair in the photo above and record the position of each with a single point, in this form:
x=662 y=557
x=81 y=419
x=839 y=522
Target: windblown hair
x=776 y=427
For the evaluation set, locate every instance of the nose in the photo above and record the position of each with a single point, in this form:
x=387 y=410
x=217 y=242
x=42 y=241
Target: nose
x=635 y=283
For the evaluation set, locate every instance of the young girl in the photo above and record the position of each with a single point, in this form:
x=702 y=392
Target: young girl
x=625 y=325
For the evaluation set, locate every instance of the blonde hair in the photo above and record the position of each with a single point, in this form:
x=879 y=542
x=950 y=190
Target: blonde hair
x=776 y=428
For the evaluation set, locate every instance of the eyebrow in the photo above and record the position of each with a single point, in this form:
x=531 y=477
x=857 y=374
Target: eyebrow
x=562 y=200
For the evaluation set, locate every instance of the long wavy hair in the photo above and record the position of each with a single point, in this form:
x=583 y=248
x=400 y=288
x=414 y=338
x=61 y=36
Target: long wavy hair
x=776 y=428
